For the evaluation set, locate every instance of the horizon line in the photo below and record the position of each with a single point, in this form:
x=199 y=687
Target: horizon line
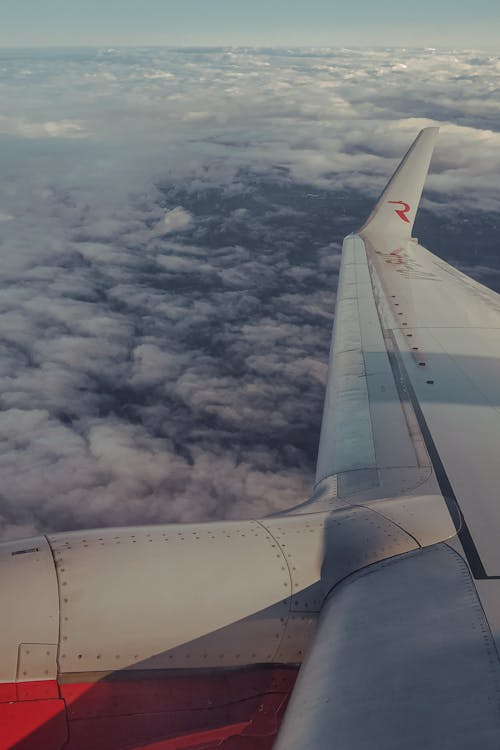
x=137 y=45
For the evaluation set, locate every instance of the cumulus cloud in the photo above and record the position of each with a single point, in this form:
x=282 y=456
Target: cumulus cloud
x=175 y=220
x=171 y=232
x=48 y=129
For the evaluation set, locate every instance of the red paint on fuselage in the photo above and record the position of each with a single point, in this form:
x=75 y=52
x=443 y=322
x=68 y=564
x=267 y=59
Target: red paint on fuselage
x=233 y=709
x=33 y=725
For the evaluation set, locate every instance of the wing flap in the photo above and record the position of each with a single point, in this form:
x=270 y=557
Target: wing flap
x=403 y=656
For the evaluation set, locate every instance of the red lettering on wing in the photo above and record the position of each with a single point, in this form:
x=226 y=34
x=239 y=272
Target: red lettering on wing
x=396 y=258
x=401 y=212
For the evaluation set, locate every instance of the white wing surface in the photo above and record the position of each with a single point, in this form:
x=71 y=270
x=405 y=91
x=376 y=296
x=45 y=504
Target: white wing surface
x=441 y=329
x=407 y=648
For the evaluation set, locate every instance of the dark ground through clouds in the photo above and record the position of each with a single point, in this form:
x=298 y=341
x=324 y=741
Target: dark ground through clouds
x=170 y=233
x=220 y=382
x=252 y=264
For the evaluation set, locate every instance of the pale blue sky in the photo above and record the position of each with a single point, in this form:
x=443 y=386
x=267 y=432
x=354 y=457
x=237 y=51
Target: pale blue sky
x=254 y=22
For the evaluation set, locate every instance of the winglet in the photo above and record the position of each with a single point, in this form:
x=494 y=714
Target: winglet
x=395 y=211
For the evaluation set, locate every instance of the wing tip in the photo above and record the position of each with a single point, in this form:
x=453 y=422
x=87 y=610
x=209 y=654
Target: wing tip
x=404 y=189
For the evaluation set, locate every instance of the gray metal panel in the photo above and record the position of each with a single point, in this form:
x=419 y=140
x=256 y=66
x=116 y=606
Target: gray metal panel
x=346 y=440
x=425 y=517
x=157 y=595
x=357 y=537
x=364 y=424
x=393 y=444
x=464 y=421
x=187 y=596
x=403 y=656
x=447 y=331
x=29 y=607
x=301 y=541
x=489 y=593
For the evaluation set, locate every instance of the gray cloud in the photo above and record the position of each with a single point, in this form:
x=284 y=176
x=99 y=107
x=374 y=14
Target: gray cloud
x=170 y=234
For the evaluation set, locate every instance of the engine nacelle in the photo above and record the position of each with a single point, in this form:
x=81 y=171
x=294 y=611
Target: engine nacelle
x=88 y=616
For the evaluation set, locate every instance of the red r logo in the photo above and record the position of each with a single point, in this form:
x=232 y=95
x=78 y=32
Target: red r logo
x=401 y=212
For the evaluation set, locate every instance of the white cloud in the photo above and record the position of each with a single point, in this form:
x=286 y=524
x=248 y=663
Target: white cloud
x=175 y=220
x=48 y=129
x=170 y=241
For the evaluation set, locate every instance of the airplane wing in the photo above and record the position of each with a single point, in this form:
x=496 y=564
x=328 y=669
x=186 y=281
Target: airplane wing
x=406 y=652
x=387 y=579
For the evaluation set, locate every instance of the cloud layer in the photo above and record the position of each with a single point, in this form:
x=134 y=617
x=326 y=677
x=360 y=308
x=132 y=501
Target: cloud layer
x=170 y=229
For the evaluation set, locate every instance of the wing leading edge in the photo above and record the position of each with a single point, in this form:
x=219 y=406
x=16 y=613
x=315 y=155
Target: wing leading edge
x=407 y=645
